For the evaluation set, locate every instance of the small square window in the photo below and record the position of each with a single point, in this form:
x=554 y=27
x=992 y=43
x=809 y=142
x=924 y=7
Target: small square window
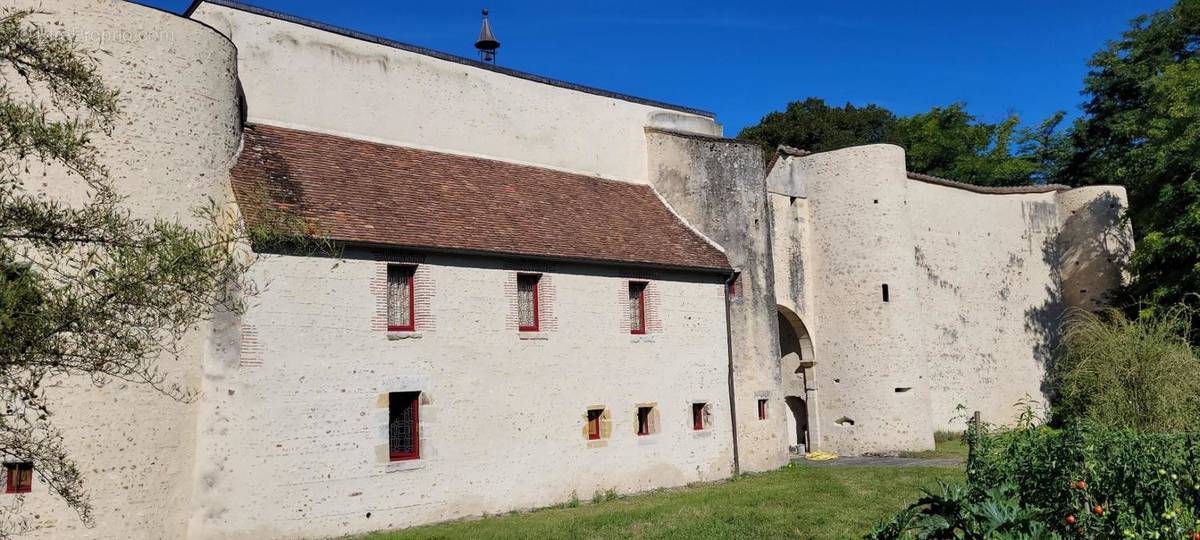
x=698 y=416
x=593 y=424
x=404 y=437
x=762 y=409
x=20 y=477
x=637 y=307
x=645 y=421
x=400 y=298
x=731 y=287
x=527 y=302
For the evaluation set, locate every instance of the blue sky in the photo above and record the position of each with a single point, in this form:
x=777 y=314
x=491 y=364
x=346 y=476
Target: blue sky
x=742 y=60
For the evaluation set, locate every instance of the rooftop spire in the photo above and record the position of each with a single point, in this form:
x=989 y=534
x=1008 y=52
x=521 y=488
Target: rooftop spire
x=487 y=43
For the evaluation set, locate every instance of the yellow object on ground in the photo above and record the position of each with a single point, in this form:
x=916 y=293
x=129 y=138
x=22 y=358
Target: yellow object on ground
x=820 y=456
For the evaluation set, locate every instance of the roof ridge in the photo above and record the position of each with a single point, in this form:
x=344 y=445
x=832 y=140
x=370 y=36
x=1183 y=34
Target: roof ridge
x=433 y=53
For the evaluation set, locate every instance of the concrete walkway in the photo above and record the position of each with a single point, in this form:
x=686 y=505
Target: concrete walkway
x=879 y=461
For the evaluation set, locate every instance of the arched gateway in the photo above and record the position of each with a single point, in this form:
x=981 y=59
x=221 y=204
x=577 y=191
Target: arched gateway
x=798 y=361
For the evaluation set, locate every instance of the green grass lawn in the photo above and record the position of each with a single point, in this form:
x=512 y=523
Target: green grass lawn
x=948 y=445
x=794 y=502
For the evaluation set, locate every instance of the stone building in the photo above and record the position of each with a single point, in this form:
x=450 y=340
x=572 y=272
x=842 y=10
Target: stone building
x=543 y=290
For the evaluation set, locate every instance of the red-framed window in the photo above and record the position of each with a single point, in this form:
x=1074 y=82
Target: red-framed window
x=643 y=420
x=593 y=423
x=528 y=316
x=731 y=287
x=401 y=307
x=20 y=477
x=698 y=416
x=637 y=307
x=762 y=409
x=404 y=423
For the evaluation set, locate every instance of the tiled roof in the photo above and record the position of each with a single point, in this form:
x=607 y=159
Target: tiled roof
x=377 y=194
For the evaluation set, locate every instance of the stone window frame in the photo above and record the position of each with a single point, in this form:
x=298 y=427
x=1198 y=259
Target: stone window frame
x=652 y=423
x=414 y=398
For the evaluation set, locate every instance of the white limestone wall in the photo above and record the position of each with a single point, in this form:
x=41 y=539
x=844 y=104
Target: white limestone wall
x=871 y=374
x=171 y=149
x=718 y=186
x=294 y=75
x=297 y=442
x=994 y=274
x=988 y=283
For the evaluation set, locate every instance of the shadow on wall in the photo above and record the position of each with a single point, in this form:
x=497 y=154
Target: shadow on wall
x=1088 y=258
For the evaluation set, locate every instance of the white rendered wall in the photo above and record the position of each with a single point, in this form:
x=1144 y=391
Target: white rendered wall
x=170 y=151
x=298 y=76
x=297 y=443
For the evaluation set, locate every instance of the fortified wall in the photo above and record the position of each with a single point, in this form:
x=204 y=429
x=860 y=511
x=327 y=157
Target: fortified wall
x=867 y=303
x=926 y=299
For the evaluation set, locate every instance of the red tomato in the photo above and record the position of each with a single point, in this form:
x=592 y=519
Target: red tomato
x=1071 y=520
x=1099 y=510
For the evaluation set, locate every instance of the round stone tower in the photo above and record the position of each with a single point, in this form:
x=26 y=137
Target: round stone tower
x=871 y=372
x=170 y=152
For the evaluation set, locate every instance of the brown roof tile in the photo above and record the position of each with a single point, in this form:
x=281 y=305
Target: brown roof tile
x=363 y=192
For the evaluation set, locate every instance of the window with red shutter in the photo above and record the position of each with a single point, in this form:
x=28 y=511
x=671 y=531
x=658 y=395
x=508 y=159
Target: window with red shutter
x=637 y=307
x=404 y=421
x=19 y=477
x=593 y=423
x=698 y=416
x=400 y=303
x=527 y=302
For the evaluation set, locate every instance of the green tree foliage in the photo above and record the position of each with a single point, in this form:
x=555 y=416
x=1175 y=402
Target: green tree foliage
x=945 y=141
x=1142 y=131
x=86 y=290
x=1140 y=374
x=814 y=126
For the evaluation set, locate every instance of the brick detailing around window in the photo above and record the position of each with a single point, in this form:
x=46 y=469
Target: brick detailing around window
x=250 y=353
x=423 y=292
x=653 y=300
x=547 y=296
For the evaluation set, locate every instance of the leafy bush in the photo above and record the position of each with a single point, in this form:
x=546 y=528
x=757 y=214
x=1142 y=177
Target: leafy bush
x=1139 y=374
x=1086 y=481
x=1098 y=482
x=959 y=512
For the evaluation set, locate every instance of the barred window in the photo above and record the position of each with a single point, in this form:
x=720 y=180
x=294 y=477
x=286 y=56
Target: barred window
x=400 y=298
x=403 y=421
x=527 y=302
x=637 y=307
x=20 y=477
